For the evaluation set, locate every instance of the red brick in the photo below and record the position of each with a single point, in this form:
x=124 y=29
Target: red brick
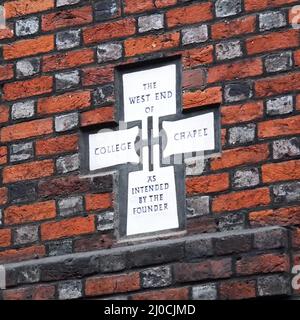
x=3 y=196
x=207 y=184
x=109 y=30
x=240 y=156
x=257 y=5
x=5 y=237
x=3 y=155
x=189 y=14
x=236 y=27
x=201 y=98
x=193 y=78
x=97 y=116
x=282 y=217
x=238 y=289
x=151 y=43
x=4 y=113
x=63 y=103
x=95 y=242
x=166 y=294
x=67 y=228
x=67 y=18
x=24 y=48
x=279 y=127
x=30 y=212
x=198 y=56
x=267 y=263
x=16 y=255
x=6 y=72
x=201 y=225
x=297 y=103
x=97 y=75
x=204 y=270
x=273 y=41
x=273 y=172
x=26 y=130
x=297 y=58
x=242 y=113
x=27 y=88
x=23 y=7
x=6 y=33
x=235 y=70
x=61 y=144
x=101 y=201
x=296 y=238
x=98 y=286
x=39 y=292
x=134 y=6
x=240 y=200
x=67 y=60
x=28 y=171
x=277 y=85
x=164 y=3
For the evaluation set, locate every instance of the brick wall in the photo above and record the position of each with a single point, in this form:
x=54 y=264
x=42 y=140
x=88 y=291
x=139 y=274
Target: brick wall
x=57 y=76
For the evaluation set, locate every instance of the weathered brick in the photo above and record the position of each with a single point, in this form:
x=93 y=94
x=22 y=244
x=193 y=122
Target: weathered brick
x=200 y=98
x=96 y=242
x=279 y=62
x=193 y=78
x=26 y=234
x=156 y=277
x=21 y=151
x=67 y=39
x=70 y=290
x=232 y=244
x=205 y=292
x=67 y=60
x=286 y=148
x=242 y=113
x=70 y=206
x=67 y=164
x=106 y=221
x=110 y=30
x=66 y=122
x=199 y=248
x=288 y=192
x=97 y=116
x=282 y=216
x=67 y=18
x=279 y=127
x=29 y=213
x=61 y=144
x=23 y=7
x=109 y=52
x=98 y=286
x=226 y=8
x=242 y=134
x=38 y=292
x=58 y=248
x=266 y=263
x=238 y=289
x=27 y=88
x=24 y=48
x=233 y=28
x=147 y=44
x=103 y=95
x=28 y=171
x=22 y=110
x=273 y=286
x=194 y=35
x=95 y=202
x=270 y=239
x=246 y=178
x=232 y=221
x=26 y=130
x=272 y=41
x=189 y=14
x=27 y=26
x=67 y=228
x=67 y=80
x=208 y=184
x=242 y=199
x=22 y=192
x=27 y=67
x=106 y=9
x=241 y=156
x=151 y=22
x=281 y=105
x=228 y=50
x=197 y=206
x=238 y=91
x=272 y=20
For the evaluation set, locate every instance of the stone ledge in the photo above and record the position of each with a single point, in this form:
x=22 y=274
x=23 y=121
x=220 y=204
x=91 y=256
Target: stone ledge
x=191 y=248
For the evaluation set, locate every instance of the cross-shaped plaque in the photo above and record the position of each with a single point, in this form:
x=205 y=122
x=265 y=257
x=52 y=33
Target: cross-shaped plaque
x=153 y=131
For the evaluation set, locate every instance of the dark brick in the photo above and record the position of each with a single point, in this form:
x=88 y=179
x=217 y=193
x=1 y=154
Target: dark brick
x=287 y=192
x=156 y=277
x=198 y=248
x=270 y=239
x=103 y=95
x=59 y=248
x=275 y=285
x=233 y=244
x=238 y=91
x=106 y=9
x=22 y=192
